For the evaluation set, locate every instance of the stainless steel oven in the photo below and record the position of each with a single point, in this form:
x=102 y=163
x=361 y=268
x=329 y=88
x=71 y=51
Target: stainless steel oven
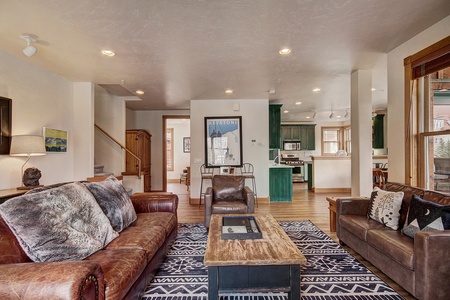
x=298 y=170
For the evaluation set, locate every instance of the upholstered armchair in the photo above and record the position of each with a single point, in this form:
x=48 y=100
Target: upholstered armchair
x=228 y=195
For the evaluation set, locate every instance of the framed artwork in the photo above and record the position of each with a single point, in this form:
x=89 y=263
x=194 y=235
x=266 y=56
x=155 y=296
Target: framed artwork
x=5 y=125
x=223 y=141
x=56 y=141
x=224 y=170
x=186 y=144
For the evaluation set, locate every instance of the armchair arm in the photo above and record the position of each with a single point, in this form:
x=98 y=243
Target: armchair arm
x=208 y=205
x=52 y=280
x=249 y=198
x=432 y=264
x=155 y=202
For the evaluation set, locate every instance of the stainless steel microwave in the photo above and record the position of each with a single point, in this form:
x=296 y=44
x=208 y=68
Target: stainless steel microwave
x=291 y=145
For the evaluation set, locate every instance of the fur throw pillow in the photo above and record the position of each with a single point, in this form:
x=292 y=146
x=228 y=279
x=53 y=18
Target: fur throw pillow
x=64 y=223
x=114 y=201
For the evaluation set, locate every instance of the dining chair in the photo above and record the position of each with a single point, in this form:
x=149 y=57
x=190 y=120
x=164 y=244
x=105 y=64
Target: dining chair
x=247 y=171
x=206 y=174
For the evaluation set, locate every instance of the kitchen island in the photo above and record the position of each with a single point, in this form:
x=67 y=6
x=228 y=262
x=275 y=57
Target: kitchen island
x=280 y=183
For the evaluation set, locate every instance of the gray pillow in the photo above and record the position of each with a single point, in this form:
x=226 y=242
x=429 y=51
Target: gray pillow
x=64 y=223
x=114 y=201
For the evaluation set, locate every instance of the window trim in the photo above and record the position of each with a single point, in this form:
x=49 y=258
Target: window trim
x=341 y=138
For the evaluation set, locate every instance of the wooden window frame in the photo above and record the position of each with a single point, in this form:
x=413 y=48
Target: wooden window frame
x=417 y=66
x=340 y=140
x=170 y=156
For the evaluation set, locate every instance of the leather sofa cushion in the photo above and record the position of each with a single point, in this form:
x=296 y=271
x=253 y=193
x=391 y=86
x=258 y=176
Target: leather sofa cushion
x=394 y=245
x=168 y=221
x=150 y=240
x=360 y=225
x=121 y=268
x=229 y=207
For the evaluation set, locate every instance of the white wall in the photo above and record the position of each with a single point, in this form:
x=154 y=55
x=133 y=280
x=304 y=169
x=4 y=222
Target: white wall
x=110 y=116
x=396 y=95
x=181 y=129
x=39 y=99
x=255 y=126
x=152 y=122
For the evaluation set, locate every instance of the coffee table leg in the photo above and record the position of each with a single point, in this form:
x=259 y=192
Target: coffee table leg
x=213 y=283
x=294 y=293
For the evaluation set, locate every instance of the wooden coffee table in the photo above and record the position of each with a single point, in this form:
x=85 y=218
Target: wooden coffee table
x=268 y=264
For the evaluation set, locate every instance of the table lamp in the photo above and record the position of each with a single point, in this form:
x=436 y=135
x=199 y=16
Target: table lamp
x=27 y=145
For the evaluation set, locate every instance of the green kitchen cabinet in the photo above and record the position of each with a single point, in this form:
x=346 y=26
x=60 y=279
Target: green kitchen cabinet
x=378 y=132
x=280 y=184
x=303 y=133
x=275 y=126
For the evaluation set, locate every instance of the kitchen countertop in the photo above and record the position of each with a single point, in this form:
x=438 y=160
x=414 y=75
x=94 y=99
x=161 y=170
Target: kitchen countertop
x=279 y=166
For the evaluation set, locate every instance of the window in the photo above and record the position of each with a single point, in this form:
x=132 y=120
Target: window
x=169 y=148
x=427 y=156
x=336 y=138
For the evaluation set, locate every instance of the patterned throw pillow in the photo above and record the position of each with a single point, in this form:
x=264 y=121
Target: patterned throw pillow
x=425 y=215
x=114 y=201
x=385 y=207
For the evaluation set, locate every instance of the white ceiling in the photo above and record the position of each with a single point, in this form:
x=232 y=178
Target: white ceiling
x=178 y=50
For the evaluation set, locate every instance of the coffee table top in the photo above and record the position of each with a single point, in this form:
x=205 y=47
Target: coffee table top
x=275 y=247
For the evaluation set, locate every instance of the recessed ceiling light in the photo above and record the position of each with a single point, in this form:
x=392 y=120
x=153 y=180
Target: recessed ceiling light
x=374 y=89
x=285 y=51
x=140 y=92
x=229 y=91
x=286 y=111
x=298 y=103
x=108 y=52
x=308 y=117
x=337 y=117
x=316 y=90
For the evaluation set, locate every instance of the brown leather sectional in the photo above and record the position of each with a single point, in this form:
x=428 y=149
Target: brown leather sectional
x=420 y=265
x=122 y=270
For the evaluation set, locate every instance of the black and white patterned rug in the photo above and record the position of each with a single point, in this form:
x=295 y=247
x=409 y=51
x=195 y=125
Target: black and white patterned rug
x=330 y=274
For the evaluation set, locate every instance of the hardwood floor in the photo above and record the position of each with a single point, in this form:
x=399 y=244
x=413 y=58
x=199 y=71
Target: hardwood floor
x=305 y=205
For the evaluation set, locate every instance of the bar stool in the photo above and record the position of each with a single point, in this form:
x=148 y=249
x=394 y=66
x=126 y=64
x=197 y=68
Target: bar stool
x=206 y=174
x=247 y=170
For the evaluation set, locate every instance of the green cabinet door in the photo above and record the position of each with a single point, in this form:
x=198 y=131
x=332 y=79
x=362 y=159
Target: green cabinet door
x=378 y=132
x=280 y=184
x=275 y=126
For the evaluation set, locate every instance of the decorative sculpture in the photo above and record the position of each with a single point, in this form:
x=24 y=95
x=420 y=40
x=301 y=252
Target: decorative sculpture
x=31 y=177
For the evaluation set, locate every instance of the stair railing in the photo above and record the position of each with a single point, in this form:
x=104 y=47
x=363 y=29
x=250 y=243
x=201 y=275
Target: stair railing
x=122 y=147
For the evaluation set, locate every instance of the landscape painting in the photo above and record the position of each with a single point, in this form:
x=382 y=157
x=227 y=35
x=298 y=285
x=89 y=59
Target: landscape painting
x=56 y=140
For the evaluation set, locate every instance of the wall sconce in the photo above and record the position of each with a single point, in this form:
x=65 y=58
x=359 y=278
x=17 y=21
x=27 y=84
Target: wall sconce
x=27 y=145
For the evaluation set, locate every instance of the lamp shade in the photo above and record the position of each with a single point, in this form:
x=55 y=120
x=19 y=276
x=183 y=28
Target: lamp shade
x=27 y=145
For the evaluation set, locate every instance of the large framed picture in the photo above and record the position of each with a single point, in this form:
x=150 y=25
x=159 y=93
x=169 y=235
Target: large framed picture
x=223 y=141
x=56 y=141
x=5 y=125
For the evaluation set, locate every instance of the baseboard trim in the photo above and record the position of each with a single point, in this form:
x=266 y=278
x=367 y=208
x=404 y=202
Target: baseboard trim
x=173 y=180
x=331 y=190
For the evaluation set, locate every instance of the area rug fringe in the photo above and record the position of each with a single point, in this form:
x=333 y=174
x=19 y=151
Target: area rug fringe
x=330 y=274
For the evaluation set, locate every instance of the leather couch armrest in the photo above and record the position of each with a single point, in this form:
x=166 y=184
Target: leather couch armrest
x=52 y=280
x=155 y=202
x=352 y=206
x=249 y=198
x=432 y=264
x=208 y=205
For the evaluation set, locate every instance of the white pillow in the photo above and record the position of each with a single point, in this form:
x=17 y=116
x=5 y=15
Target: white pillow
x=385 y=207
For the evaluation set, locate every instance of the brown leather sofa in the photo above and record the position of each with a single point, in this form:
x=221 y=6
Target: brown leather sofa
x=228 y=195
x=420 y=265
x=122 y=270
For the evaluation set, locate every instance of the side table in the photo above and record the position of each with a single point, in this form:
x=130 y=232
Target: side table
x=10 y=193
x=332 y=208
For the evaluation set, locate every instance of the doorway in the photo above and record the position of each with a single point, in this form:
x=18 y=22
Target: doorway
x=176 y=152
